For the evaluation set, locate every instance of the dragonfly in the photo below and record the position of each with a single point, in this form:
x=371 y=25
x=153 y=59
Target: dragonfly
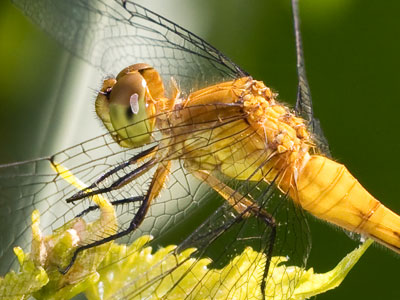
x=113 y=169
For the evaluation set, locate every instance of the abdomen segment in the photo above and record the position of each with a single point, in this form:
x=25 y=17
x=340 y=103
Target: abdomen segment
x=327 y=190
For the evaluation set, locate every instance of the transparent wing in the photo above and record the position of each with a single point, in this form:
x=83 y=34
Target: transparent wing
x=111 y=36
x=304 y=107
x=188 y=212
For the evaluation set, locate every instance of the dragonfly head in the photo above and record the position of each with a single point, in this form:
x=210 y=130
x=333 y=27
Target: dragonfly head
x=126 y=104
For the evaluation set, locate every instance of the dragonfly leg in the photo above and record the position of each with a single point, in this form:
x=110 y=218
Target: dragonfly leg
x=88 y=191
x=244 y=207
x=114 y=203
x=156 y=185
x=116 y=184
x=240 y=203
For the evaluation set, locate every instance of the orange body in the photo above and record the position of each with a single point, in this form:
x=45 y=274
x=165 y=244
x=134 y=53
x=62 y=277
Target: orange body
x=326 y=189
x=320 y=185
x=238 y=129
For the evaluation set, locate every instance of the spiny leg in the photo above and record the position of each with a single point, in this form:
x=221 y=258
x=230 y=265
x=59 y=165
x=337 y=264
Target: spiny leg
x=114 y=203
x=123 y=180
x=154 y=190
x=244 y=207
x=88 y=191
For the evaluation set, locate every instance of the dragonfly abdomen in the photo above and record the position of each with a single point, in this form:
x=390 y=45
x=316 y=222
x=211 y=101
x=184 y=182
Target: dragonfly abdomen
x=327 y=190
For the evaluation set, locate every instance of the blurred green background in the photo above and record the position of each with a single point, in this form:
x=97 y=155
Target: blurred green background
x=352 y=52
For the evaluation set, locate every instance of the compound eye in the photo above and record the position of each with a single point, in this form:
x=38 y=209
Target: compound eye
x=127 y=109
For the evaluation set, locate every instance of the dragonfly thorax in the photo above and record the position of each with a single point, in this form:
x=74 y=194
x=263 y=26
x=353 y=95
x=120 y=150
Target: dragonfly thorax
x=234 y=127
x=280 y=128
x=283 y=134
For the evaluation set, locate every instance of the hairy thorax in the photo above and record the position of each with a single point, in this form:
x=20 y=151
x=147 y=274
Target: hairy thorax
x=239 y=129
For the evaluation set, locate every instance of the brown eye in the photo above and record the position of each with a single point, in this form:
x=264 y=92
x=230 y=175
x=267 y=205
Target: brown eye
x=126 y=104
x=127 y=110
